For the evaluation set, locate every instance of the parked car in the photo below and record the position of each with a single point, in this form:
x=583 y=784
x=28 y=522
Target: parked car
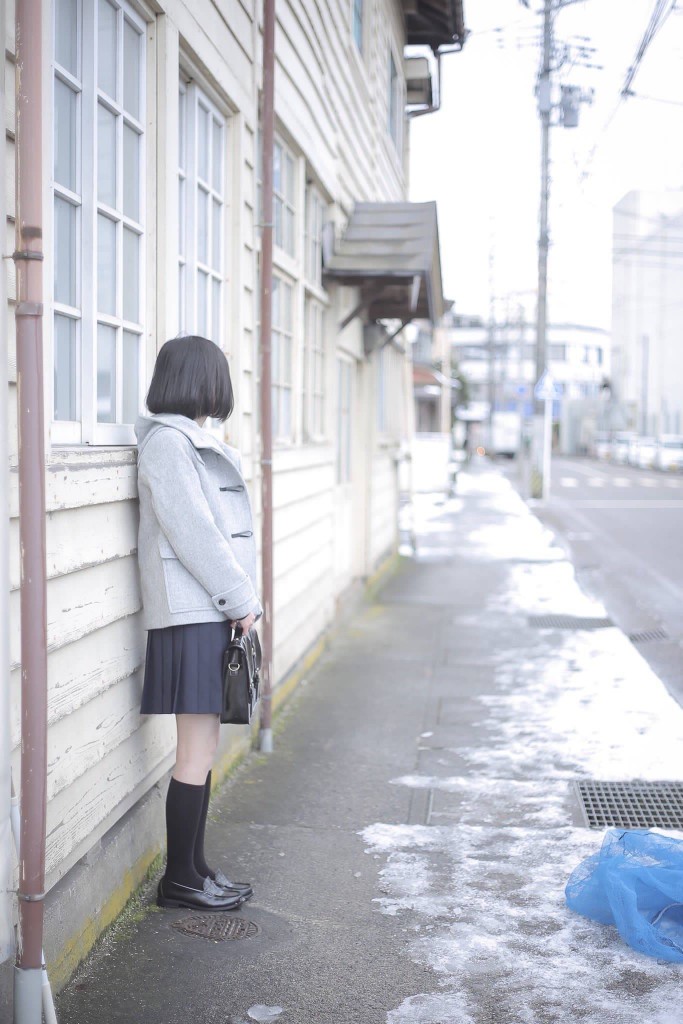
x=644 y=452
x=602 y=445
x=621 y=444
x=670 y=452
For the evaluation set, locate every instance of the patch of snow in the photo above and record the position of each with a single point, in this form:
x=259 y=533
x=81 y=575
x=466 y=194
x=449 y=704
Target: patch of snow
x=484 y=885
x=264 y=1014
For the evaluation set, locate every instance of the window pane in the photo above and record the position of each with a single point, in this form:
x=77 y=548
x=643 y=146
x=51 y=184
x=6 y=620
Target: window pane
x=202 y=226
x=131 y=173
x=202 y=302
x=66 y=378
x=216 y=229
x=181 y=297
x=289 y=179
x=275 y=358
x=182 y=106
x=217 y=156
x=286 y=412
x=106 y=156
x=66 y=35
x=106 y=48
x=216 y=310
x=202 y=142
x=65 y=252
x=65 y=135
x=181 y=216
x=106 y=374
x=277 y=222
x=277 y=168
x=131 y=275
x=106 y=265
x=131 y=70
x=130 y=384
x=289 y=231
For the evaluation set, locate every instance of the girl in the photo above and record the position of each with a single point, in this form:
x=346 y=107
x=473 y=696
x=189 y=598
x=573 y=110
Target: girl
x=197 y=561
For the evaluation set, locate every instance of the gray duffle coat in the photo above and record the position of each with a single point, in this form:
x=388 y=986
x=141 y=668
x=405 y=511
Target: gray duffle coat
x=196 y=548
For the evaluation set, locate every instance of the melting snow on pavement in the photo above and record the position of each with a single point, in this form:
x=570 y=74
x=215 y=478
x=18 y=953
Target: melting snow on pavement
x=482 y=888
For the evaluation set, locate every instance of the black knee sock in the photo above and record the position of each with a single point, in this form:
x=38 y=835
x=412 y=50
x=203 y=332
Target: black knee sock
x=199 y=858
x=183 y=811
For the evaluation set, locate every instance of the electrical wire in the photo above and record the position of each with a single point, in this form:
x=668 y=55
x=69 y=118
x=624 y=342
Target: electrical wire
x=660 y=13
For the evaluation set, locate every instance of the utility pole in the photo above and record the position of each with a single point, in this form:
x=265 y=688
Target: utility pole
x=545 y=105
x=490 y=336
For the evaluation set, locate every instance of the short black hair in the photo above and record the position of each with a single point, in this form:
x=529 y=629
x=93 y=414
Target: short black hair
x=192 y=378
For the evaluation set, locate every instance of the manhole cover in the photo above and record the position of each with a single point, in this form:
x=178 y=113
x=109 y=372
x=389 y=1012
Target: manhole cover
x=631 y=804
x=646 y=635
x=568 y=622
x=217 y=927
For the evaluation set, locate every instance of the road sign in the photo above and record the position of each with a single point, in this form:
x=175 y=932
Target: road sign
x=546 y=389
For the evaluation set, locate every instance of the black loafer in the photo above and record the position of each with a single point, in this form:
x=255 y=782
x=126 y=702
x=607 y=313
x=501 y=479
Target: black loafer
x=210 y=897
x=244 y=890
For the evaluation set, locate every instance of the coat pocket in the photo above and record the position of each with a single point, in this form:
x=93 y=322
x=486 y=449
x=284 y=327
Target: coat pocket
x=184 y=593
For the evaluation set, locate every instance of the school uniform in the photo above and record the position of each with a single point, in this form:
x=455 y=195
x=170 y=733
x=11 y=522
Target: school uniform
x=197 y=561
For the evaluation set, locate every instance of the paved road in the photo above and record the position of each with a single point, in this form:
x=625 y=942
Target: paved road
x=624 y=529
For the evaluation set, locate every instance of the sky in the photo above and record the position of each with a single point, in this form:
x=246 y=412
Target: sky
x=479 y=156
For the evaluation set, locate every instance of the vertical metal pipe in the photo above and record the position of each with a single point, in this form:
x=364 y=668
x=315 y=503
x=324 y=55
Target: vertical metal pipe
x=6 y=928
x=29 y=325
x=266 y=297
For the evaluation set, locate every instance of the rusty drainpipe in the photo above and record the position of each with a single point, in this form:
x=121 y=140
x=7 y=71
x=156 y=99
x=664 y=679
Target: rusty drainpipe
x=29 y=323
x=266 y=297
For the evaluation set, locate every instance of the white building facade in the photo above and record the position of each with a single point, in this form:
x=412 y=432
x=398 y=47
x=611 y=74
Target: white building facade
x=647 y=311
x=498 y=362
x=152 y=224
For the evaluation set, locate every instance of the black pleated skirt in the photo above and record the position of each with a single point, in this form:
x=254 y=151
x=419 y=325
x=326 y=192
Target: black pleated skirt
x=183 y=669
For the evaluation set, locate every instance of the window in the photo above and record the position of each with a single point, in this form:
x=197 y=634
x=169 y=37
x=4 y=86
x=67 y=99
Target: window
x=343 y=420
x=98 y=175
x=201 y=198
x=315 y=215
x=282 y=338
x=358 y=23
x=394 y=101
x=284 y=186
x=558 y=352
x=314 y=370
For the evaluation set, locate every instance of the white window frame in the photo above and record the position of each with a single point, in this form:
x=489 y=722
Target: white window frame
x=316 y=208
x=314 y=369
x=283 y=202
x=87 y=429
x=283 y=382
x=192 y=99
x=344 y=401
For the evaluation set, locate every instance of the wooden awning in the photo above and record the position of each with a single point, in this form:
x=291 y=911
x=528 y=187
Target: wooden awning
x=390 y=251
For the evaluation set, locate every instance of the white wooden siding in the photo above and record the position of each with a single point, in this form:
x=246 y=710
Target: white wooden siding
x=331 y=107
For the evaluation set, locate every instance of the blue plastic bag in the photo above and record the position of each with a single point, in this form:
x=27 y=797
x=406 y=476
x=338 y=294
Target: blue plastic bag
x=635 y=882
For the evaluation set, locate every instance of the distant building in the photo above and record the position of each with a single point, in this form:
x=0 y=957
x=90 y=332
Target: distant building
x=647 y=311
x=498 y=364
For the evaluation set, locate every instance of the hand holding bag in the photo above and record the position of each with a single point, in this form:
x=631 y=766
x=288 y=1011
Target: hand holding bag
x=241 y=677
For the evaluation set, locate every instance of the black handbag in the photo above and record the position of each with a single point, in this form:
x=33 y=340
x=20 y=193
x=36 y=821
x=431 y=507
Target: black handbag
x=241 y=677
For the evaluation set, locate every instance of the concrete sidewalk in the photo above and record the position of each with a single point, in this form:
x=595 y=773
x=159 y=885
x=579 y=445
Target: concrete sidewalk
x=410 y=837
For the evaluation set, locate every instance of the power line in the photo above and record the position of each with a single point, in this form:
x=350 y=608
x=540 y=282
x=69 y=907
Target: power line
x=660 y=13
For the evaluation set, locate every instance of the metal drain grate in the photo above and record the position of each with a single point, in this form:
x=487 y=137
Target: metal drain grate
x=568 y=622
x=217 y=927
x=646 y=635
x=631 y=804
